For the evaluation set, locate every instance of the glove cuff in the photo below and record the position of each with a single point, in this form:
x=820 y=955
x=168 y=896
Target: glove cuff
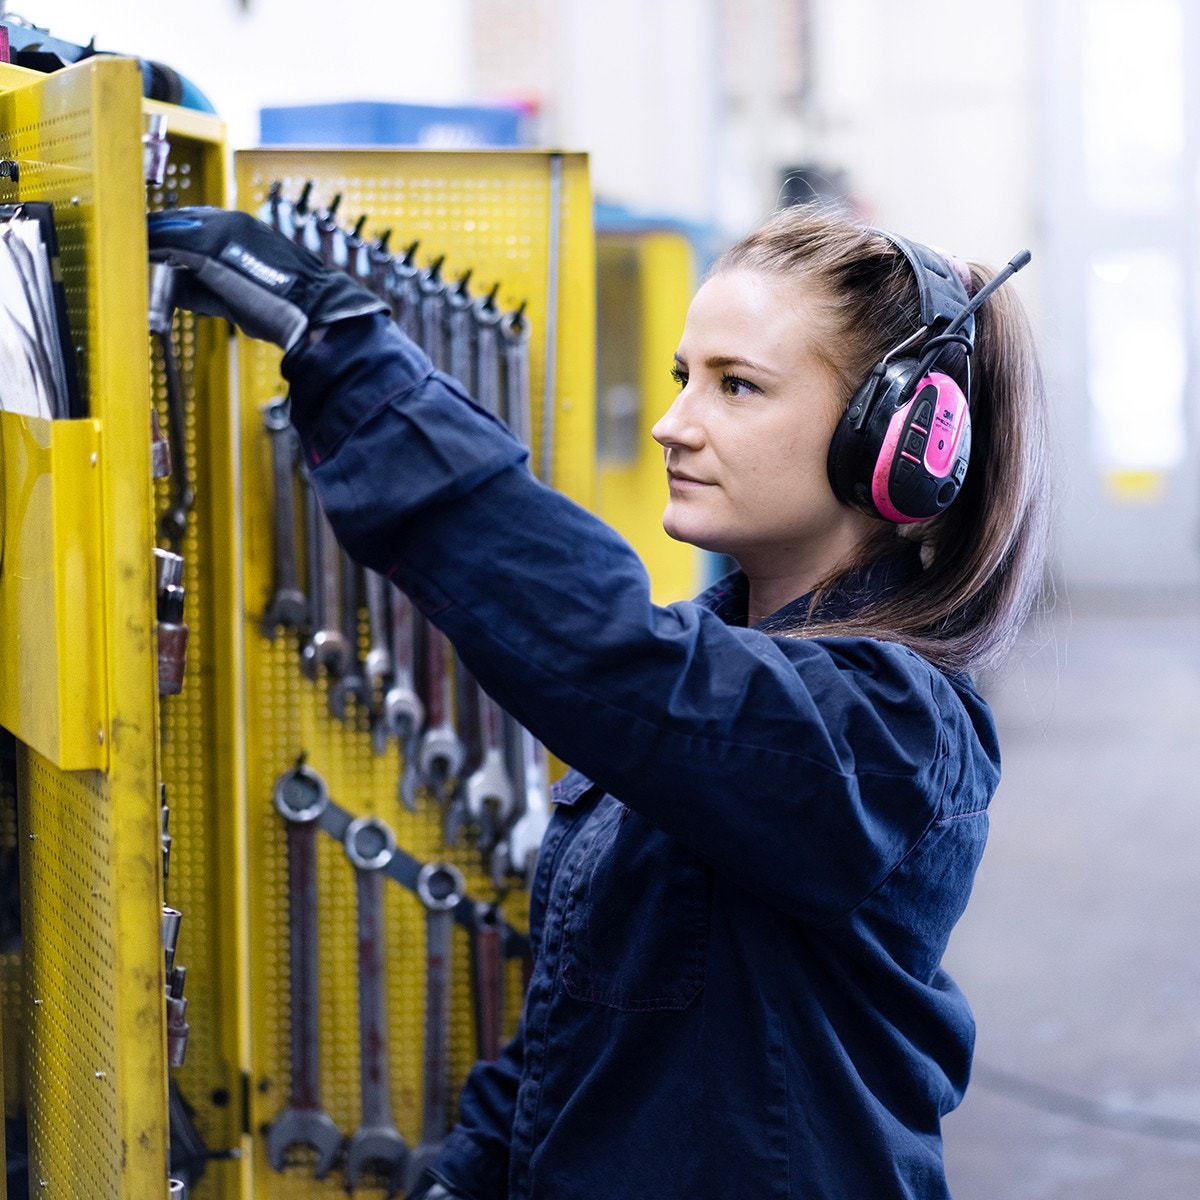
x=432 y=1186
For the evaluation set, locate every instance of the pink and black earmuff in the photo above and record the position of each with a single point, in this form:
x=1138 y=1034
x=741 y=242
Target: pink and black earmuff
x=902 y=447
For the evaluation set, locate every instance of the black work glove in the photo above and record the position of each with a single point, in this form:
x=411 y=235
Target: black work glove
x=238 y=268
x=432 y=1187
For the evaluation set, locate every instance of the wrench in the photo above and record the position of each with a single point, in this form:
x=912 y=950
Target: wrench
x=300 y=797
x=288 y=606
x=327 y=647
x=441 y=751
x=403 y=293
x=370 y=845
x=440 y=887
x=487 y=352
x=352 y=683
x=517 y=854
x=377 y=665
x=403 y=712
x=358 y=262
x=331 y=239
x=431 y=294
x=304 y=220
x=276 y=211
x=514 y=341
x=460 y=359
x=488 y=980
x=379 y=266
x=488 y=793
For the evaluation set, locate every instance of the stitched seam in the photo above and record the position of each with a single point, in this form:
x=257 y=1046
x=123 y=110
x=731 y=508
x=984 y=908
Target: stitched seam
x=975 y=812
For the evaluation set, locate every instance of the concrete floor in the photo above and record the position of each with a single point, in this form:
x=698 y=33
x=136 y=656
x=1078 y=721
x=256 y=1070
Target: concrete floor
x=1080 y=951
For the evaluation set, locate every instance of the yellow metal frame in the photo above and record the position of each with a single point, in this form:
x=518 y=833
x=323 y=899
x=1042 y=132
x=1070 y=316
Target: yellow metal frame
x=633 y=494
x=91 y=1001
x=489 y=212
x=78 y=667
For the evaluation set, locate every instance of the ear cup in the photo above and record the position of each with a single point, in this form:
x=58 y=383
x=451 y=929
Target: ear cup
x=902 y=448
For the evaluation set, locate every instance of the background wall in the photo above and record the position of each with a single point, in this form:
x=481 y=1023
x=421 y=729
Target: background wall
x=960 y=124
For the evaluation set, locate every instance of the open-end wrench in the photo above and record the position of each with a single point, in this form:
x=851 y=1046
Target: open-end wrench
x=488 y=980
x=379 y=267
x=488 y=794
x=358 y=259
x=517 y=854
x=403 y=711
x=370 y=846
x=352 y=682
x=331 y=238
x=377 y=665
x=487 y=352
x=431 y=297
x=441 y=752
x=460 y=330
x=514 y=341
x=288 y=606
x=304 y=220
x=276 y=211
x=403 y=293
x=327 y=647
x=301 y=797
x=440 y=887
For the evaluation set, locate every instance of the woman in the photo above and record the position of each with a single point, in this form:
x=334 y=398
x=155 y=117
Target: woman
x=778 y=795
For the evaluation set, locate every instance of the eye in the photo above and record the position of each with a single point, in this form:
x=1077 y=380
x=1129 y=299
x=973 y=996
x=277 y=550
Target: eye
x=735 y=385
x=679 y=375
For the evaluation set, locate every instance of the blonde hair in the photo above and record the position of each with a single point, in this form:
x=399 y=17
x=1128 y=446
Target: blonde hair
x=984 y=557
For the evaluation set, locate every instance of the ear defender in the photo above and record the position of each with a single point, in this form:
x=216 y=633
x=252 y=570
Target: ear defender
x=901 y=449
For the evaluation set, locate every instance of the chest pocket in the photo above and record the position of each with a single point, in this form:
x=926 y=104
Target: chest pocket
x=636 y=916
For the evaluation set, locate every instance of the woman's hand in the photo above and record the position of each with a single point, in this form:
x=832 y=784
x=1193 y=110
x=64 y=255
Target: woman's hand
x=234 y=266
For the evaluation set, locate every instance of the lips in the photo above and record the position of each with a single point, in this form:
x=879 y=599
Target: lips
x=678 y=479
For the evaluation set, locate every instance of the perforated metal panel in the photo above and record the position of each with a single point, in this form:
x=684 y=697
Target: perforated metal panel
x=200 y=727
x=490 y=213
x=91 y=1007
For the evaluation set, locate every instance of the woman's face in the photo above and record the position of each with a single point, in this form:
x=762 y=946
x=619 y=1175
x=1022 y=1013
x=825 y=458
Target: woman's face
x=747 y=437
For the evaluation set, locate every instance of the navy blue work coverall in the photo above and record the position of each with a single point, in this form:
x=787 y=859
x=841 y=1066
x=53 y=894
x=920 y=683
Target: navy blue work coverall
x=753 y=868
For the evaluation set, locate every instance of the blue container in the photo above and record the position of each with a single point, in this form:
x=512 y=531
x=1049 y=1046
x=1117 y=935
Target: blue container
x=372 y=123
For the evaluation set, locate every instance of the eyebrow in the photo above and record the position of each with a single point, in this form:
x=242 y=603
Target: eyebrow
x=719 y=361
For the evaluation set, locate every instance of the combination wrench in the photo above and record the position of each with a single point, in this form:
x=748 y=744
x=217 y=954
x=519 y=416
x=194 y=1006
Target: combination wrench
x=488 y=794
x=514 y=342
x=517 y=854
x=460 y=322
x=488 y=980
x=327 y=647
x=300 y=797
x=377 y=665
x=440 y=753
x=352 y=681
x=403 y=710
x=431 y=304
x=440 y=887
x=288 y=606
x=370 y=846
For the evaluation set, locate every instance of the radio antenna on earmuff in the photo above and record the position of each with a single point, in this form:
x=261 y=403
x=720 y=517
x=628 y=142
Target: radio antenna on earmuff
x=950 y=334
x=1018 y=260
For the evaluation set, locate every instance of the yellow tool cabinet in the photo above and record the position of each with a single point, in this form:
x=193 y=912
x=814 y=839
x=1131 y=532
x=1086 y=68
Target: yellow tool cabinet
x=645 y=279
x=83 y=1027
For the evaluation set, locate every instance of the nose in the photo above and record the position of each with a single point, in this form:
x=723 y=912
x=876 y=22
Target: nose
x=678 y=426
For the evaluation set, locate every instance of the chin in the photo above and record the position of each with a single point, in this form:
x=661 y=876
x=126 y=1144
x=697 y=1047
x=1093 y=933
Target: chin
x=681 y=531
